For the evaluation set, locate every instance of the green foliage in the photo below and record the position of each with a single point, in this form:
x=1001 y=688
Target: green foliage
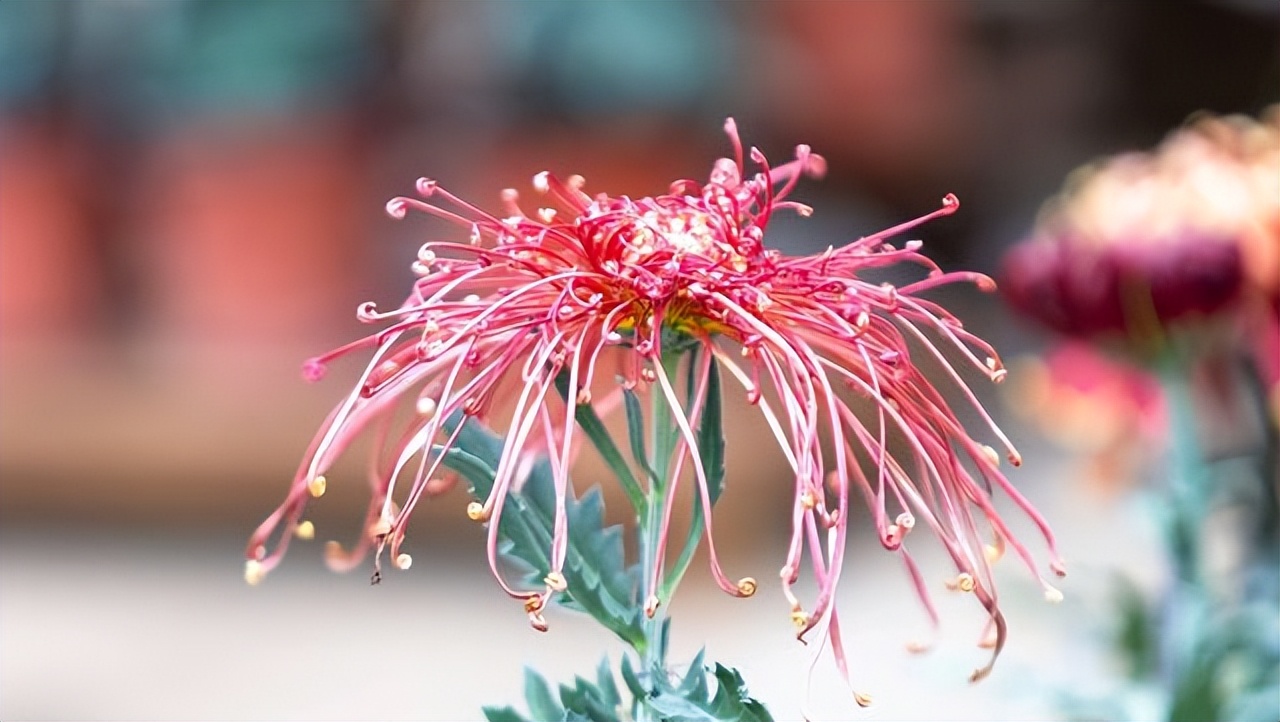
x=599 y=582
x=595 y=430
x=597 y=701
x=635 y=433
x=1136 y=634
x=1209 y=647
x=1193 y=659
x=711 y=449
x=598 y=579
x=704 y=694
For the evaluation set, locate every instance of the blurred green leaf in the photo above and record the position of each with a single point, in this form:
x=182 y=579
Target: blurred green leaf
x=1196 y=697
x=1136 y=633
x=1261 y=705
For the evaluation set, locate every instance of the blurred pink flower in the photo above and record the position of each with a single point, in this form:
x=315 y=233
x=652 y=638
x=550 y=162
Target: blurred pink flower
x=534 y=295
x=1142 y=247
x=1111 y=412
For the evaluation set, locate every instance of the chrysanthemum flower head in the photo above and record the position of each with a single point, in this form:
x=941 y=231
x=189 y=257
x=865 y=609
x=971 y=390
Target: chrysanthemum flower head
x=1140 y=241
x=1144 y=247
x=590 y=288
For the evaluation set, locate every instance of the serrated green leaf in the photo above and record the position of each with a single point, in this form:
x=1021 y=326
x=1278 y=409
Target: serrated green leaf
x=705 y=694
x=691 y=699
x=630 y=679
x=608 y=688
x=585 y=699
x=675 y=708
x=732 y=700
x=502 y=714
x=598 y=581
x=694 y=685
x=537 y=693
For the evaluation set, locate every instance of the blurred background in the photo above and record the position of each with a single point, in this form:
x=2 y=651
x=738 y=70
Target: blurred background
x=191 y=199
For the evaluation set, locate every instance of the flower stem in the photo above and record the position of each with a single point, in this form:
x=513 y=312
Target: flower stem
x=1188 y=483
x=665 y=437
x=1190 y=480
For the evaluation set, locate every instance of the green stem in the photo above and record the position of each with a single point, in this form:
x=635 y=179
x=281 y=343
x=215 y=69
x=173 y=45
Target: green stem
x=665 y=437
x=1187 y=613
x=1190 y=479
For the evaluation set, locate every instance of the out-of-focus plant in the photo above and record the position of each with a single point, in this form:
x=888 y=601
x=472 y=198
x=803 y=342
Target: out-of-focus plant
x=543 y=322
x=1109 y=413
x=1170 y=260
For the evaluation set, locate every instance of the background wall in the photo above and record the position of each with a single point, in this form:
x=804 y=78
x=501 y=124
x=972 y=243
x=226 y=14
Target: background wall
x=191 y=203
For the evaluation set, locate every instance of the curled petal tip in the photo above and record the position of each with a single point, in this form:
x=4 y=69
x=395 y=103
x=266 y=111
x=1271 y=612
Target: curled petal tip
x=815 y=166
x=651 y=606
x=380 y=528
x=425 y=187
x=397 y=208
x=950 y=203
x=800 y=619
x=990 y=454
x=254 y=572
x=313 y=370
x=317 y=486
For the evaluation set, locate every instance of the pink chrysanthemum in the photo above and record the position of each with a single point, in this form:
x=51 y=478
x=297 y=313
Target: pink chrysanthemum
x=533 y=295
x=1145 y=247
